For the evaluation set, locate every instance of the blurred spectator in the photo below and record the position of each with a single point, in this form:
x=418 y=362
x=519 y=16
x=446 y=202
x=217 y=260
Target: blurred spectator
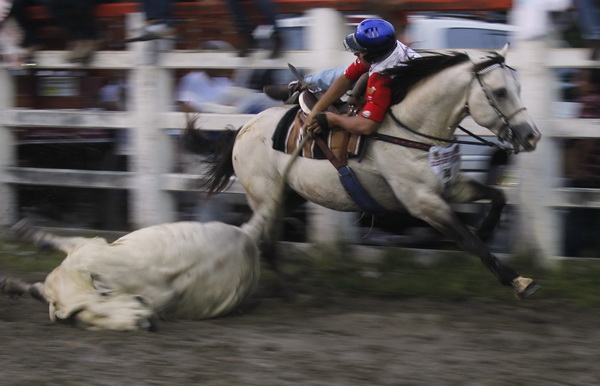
x=77 y=19
x=588 y=12
x=582 y=156
x=5 y=7
x=111 y=96
x=11 y=51
x=22 y=41
x=245 y=27
x=158 y=21
x=588 y=92
x=210 y=92
x=582 y=168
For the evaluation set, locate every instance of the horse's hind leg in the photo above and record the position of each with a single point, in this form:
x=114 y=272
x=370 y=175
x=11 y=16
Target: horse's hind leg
x=270 y=252
x=438 y=214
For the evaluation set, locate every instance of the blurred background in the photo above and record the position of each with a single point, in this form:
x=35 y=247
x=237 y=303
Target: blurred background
x=90 y=124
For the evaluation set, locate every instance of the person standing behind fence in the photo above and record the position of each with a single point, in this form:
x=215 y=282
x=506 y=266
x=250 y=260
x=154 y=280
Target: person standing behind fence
x=31 y=41
x=77 y=19
x=245 y=27
x=588 y=12
x=158 y=15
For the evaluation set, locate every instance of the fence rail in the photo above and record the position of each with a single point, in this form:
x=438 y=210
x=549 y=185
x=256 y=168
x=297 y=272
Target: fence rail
x=151 y=178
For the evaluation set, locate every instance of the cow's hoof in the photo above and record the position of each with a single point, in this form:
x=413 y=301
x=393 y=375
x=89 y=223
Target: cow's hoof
x=24 y=229
x=150 y=324
x=524 y=287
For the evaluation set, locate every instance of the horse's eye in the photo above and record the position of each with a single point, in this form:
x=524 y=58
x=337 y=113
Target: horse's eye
x=500 y=93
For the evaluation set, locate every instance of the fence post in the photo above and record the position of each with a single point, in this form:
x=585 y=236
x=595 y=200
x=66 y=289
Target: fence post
x=325 y=35
x=150 y=93
x=8 y=199
x=539 y=230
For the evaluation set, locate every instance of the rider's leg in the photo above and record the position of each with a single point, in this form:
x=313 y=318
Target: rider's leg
x=320 y=81
x=324 y=79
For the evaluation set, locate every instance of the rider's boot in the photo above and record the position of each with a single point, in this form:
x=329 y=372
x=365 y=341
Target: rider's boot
x=284 y=92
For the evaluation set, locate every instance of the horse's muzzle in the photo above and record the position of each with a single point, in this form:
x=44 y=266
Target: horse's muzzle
x=528 y=142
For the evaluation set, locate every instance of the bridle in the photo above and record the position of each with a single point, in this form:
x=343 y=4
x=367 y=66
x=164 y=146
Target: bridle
x=505 y=134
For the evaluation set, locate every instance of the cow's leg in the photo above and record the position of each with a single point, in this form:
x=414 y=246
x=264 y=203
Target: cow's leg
x=437 y=212
x=15 y=287
x=27 y=231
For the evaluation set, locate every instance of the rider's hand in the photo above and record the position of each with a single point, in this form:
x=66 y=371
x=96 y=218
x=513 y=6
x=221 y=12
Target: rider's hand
x=312 y=125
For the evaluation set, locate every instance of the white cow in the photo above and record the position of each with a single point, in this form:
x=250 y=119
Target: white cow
x=177 y=270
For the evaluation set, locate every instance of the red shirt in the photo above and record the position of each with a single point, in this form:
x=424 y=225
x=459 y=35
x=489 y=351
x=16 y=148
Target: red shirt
x=379 y=93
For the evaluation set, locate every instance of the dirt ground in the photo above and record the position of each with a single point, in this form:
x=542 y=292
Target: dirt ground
x=339 y=341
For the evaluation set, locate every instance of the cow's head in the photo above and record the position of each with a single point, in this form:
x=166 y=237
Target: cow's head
x=93 y=303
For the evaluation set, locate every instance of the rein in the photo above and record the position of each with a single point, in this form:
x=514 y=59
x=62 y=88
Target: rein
x=505 y=135
x=426 y=146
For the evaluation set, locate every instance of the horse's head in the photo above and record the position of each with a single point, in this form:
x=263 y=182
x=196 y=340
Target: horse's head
x=494 y=101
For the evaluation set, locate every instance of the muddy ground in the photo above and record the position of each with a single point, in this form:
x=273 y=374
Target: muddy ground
x=333 y=341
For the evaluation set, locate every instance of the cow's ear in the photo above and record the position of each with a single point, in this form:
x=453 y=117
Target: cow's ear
x=100 y=284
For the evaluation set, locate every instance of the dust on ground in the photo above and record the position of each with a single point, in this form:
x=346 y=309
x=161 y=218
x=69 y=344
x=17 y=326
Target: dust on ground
x=333 y=341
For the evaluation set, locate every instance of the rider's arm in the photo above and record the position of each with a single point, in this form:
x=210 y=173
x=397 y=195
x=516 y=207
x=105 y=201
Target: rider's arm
x=333 y=93
x=355 y=124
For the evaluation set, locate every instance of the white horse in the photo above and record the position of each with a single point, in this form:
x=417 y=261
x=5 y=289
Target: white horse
x=431 y=96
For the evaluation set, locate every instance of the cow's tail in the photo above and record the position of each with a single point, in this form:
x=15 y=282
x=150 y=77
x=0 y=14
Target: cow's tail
x=266 y=214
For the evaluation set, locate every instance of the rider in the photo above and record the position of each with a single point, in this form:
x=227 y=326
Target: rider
x=376 y=49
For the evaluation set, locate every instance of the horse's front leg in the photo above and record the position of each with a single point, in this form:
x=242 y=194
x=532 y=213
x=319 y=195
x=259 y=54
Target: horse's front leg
x=438 y=213
x=469 y=190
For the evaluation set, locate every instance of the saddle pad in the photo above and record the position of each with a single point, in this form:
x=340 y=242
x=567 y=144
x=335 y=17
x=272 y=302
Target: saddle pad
x=287 y=137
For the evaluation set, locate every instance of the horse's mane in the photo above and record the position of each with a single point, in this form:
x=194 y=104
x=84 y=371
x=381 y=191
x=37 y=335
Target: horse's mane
x=414 y=70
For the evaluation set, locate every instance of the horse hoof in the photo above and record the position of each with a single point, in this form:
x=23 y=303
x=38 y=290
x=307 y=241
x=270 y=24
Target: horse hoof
x=524 y=287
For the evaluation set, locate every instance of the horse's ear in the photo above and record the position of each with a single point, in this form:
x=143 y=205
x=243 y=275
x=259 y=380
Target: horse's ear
x=504 y=50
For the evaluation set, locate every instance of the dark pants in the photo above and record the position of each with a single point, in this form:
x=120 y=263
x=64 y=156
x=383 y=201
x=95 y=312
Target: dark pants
x=159 y=10
x=240 y=16
x=76 y=17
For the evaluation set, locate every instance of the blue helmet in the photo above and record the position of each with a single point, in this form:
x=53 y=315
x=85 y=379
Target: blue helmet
x=375 y=37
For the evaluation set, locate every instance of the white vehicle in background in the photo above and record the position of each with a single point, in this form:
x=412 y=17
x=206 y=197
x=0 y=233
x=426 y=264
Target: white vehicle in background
x=424 y=32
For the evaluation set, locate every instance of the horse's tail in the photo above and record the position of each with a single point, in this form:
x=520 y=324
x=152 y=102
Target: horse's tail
x=196 y=141
x=265 y=215
x=219 y=151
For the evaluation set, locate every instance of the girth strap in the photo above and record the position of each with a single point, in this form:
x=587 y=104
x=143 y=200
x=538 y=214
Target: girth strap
x=347 y=178
x=402 y=142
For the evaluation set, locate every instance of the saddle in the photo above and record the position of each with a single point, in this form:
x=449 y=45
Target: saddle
x=336 y=143
x=288 y=135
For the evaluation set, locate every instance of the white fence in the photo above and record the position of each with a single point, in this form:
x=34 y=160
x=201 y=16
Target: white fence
x=150 y=182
